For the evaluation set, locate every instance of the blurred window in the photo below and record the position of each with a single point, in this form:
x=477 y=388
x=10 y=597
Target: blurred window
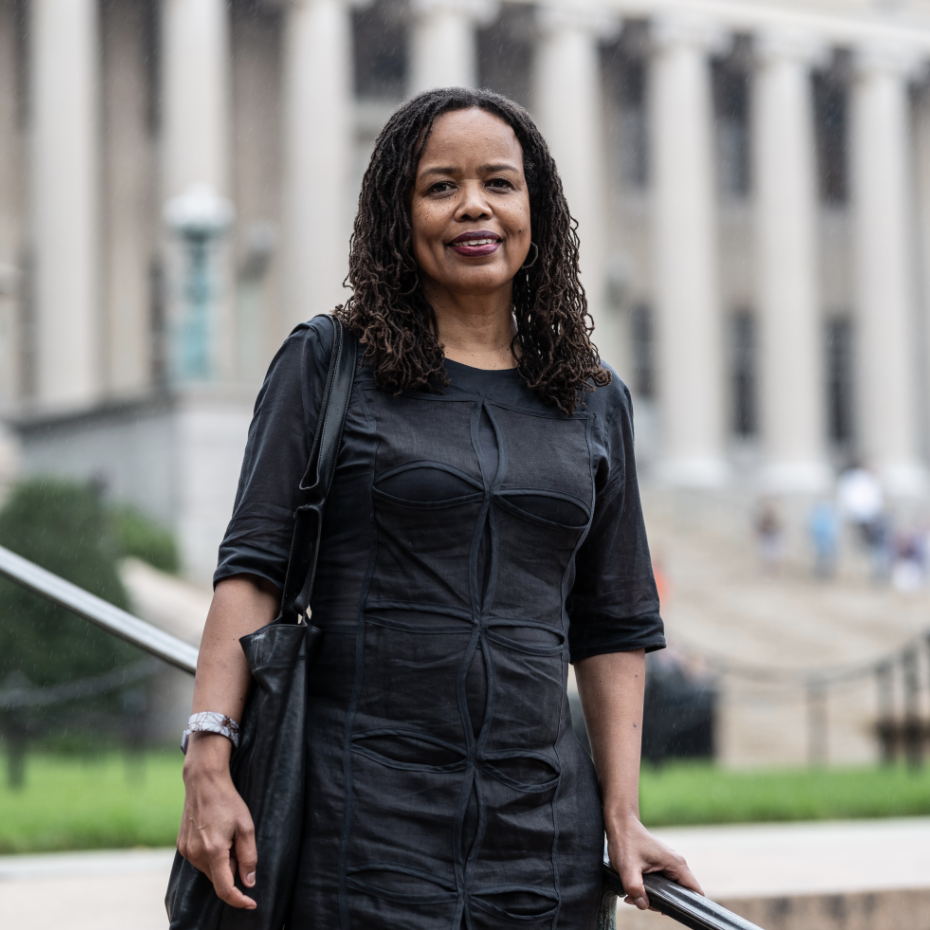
x=743 y=393
x=840 y=379
x=380 y=51
x=505 y=54
x=158 y=324
x=731 y=108
x=151 y=37
x=19 y=18
x=642 y=332
x=634 y=150
x=831 y=127
x=27 y=326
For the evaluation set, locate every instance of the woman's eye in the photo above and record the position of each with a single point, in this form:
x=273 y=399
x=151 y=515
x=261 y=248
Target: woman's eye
x=440 y=187
x=500 y=182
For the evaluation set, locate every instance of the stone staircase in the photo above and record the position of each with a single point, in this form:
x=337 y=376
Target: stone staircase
x=722 y=610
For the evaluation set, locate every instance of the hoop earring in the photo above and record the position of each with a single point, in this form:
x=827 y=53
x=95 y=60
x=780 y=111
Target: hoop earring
x=535 y=257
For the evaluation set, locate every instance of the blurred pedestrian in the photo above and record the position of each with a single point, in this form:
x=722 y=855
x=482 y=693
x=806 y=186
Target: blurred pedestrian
x=823 y=527
x=861 y=499
x=881 y=542
x=663 y=585
x=863 y=505
x=907 y=572
x=769 y=535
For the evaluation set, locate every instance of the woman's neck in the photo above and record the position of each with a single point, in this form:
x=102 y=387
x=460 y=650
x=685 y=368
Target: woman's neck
x=476 y=330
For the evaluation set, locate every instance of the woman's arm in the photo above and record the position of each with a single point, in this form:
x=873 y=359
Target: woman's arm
x=611 y=687
x=217 y=834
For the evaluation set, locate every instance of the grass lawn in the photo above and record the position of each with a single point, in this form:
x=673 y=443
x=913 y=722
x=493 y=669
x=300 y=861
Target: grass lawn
x=108 y=802
x=701 y=794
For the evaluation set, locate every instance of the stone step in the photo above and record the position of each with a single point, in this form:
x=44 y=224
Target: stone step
x=722 y=610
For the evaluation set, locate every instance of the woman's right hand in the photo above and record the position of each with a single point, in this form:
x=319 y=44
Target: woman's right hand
x=217 y=835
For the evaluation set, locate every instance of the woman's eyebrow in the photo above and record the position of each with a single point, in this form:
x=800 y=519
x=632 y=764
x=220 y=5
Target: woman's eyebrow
x=502 y=166
x=441 y=169
x=483 y=169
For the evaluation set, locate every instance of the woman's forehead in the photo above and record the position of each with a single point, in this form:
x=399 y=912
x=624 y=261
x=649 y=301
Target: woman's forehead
x=471 y=136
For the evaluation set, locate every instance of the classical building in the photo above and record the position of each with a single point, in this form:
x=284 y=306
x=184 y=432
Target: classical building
x=751 y=180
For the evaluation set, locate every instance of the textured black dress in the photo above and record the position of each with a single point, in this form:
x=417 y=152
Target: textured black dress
x=474 y=542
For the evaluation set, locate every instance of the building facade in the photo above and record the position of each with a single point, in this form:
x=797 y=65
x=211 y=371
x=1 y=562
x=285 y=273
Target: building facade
x=751 y=180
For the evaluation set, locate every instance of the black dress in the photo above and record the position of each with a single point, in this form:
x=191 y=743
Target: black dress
x=474 y=542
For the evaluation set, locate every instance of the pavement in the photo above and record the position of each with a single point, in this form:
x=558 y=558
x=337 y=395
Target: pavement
x=120 y=890
x=830 y=857
x=124 y=890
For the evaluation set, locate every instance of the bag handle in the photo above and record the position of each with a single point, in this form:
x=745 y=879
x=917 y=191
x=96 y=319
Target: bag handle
x=318 y=478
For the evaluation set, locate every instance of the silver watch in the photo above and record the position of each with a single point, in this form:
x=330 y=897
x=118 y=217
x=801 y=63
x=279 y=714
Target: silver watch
x=208 y=721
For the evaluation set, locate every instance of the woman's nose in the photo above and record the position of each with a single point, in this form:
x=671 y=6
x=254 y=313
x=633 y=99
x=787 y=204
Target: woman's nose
x=474 y=203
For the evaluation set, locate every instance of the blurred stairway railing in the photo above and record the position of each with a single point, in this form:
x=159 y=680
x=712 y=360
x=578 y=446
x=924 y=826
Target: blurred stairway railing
x=149 y=638
x=666 y=896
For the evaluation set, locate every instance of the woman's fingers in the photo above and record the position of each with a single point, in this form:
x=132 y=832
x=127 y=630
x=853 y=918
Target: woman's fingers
x=677 y=870
x=218 y=837
x=222 y=874
x=634 y=852
x=632 y=877
x=246 y=853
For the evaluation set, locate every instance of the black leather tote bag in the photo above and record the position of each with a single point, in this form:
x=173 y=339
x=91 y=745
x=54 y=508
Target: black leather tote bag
x=269 y=766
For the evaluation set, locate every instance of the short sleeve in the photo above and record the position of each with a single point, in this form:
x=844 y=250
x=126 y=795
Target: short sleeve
x=258 y=538
x=614 y=605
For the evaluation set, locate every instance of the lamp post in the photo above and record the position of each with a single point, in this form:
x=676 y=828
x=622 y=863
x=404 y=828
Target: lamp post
x=200 y=218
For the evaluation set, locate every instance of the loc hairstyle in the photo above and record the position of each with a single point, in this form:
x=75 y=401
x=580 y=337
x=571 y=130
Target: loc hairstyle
x=388 y=310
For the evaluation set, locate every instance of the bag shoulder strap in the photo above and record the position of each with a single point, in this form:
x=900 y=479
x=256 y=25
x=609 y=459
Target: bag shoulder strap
x=318 y=478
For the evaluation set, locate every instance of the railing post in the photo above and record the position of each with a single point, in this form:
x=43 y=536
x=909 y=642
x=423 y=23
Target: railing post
x=885 y=727
x=816 y=721
x=913 y=735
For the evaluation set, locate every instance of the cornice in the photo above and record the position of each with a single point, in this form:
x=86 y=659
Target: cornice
x=778 y=43
x=479 y=11
x=595 y=18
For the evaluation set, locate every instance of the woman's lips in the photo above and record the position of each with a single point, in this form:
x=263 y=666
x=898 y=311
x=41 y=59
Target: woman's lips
x=477 y=246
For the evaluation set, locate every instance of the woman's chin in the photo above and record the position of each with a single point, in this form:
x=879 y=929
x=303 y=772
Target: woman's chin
x=477 y=282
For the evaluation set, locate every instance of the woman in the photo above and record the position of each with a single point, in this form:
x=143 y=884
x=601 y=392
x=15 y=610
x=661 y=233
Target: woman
x=484 y=528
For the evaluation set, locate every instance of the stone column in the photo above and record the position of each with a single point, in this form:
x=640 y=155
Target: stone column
x=64 y=87
x=792 y=340
x=11 y=219
x=886 y=335
x=318 y=152
x=444 y=49
x=569 y=107
x=922 y=166
x=685 y=255
x=196 y=138
x=195 y=95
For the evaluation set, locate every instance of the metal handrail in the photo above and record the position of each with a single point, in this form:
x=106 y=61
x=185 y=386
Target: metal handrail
x=684 y=906
x=147 y=637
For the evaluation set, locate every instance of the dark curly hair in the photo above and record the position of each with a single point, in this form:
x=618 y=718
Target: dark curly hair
x=387 y=309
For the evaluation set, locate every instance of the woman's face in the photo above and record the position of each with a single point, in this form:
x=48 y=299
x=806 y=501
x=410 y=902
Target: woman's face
x=470 y=209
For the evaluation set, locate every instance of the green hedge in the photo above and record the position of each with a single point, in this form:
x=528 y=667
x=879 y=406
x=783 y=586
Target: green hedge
x=141 y=537
x=67 y=528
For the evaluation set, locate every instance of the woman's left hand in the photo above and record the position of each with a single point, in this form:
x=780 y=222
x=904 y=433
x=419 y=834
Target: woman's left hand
x=634 y=851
